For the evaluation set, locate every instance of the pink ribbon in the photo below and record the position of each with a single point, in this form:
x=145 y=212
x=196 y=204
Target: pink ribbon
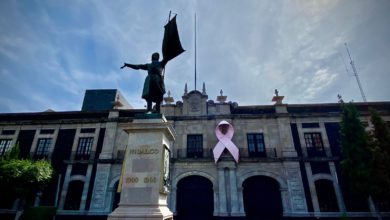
x=225 y=141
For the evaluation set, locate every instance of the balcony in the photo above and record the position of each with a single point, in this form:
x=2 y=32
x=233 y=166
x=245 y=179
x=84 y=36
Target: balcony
x=204 y=154
x=267 y=153
x=83 y=156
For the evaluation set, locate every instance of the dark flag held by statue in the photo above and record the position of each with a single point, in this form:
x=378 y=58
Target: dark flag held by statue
x=171 y=46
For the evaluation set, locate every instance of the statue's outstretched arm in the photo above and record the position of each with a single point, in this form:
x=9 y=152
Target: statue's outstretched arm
x=136 y=67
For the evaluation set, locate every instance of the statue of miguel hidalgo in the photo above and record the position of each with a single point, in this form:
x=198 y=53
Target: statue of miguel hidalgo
x=154 y=88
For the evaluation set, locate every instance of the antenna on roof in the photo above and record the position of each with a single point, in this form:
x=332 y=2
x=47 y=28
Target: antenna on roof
x=356 y=75
x=345 y=64
x=195 y=51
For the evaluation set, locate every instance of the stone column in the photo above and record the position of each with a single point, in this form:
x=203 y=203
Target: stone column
x=240 y=201
x=172 y=197
x=222 y=192
x=234 y=194
x=143 y=192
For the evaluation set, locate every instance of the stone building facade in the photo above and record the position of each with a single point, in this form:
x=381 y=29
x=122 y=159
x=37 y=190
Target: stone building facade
x=288 y=163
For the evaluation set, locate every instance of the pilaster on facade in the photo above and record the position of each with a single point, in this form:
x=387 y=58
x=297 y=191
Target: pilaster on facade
x=295 y=188
x=222 y=193
x=99 y=196
x=230 y=199
x=234 y=198
x=110 y=137
x=285 y=137
x=240 y=201
x=172 y=200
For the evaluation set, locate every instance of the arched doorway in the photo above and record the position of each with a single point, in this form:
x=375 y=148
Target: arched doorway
x=116 y=197
x=262 y=198
x=73 y=197
x=326 y=196
x=194 y=198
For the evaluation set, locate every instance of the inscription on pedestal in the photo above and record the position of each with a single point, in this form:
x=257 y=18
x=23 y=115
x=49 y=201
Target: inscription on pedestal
x=144 y=163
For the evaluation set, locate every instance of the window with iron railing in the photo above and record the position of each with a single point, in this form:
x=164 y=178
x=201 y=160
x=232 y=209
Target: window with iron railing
x=43 y=146
x=256 y=147
x=314 y=144
x=5 y=145
x=84 y=148
x=195 y=146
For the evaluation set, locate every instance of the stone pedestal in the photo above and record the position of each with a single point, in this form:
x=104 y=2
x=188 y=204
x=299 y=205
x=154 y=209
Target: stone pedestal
x=146 y=170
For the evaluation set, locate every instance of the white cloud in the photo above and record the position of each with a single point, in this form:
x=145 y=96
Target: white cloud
x=245 y=48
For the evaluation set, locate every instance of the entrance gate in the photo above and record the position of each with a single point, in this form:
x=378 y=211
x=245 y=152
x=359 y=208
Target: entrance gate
x=262 y=198
x=194 y=198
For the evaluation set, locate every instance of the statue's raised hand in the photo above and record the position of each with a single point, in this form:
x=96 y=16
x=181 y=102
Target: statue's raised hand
x=124 y=65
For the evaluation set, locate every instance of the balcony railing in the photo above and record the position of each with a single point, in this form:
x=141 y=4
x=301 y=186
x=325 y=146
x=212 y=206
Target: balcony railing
x=84 y=156
x=182 y=153
x=318 y=152
x=208 y=154
x=267 y=153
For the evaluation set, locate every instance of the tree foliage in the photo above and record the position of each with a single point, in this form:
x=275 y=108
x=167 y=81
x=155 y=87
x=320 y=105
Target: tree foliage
x=24 y=176
x=379 y=158
x=366 y=155
x=355 y=152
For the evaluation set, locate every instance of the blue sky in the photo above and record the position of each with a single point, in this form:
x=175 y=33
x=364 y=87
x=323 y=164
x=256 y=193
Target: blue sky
x=52 y=51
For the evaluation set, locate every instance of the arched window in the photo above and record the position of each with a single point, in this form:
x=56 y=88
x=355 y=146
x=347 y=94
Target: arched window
x=73 y=197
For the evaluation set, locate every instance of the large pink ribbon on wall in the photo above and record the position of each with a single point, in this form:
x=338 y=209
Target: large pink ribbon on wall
x=225 y=141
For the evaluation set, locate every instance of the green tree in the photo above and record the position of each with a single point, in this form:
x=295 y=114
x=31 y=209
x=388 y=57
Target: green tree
x=379 y=161
x=356 y=158
x=23 y=177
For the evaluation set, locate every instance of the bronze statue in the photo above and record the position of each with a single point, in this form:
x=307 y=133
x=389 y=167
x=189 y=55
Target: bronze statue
x=154 y=88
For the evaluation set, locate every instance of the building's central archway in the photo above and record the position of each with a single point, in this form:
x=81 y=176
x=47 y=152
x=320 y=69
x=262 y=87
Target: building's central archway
x=194 y=198
x=262 y=198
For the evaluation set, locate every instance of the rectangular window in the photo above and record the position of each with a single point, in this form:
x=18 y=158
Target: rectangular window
x=84 y=148
x=314 y=144
x=256 y=147
x=5 y=145
x=195 y=145
x=43 y=147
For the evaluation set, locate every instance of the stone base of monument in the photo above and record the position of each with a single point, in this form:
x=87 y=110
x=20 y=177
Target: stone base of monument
x=144 y=213
x=145 y=173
